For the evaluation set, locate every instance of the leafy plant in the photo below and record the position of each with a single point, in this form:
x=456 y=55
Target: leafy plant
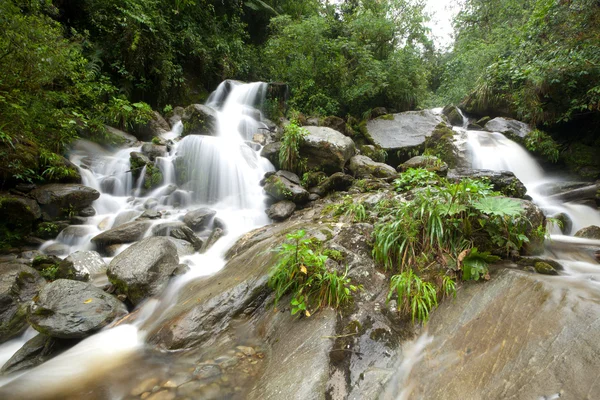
x=415 y=177
x=416 y=297
x=300 y=271
x=349 y=208
x=475 y=264
x=541 y=143
x=289 y=153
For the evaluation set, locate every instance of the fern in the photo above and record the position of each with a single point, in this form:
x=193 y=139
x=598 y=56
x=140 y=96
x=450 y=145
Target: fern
x=498 y=206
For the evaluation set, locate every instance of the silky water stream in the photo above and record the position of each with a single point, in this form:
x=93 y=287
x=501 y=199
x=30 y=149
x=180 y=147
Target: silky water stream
x=223 y=174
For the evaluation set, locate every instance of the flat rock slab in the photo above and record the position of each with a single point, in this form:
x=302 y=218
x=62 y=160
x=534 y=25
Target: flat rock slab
x=407 y=129
x=518 y=336
x=70 y=309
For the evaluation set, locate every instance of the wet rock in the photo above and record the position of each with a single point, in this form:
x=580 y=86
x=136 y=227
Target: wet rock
x=483 y=121
x=120 y=137
x=511 y=128
x=430 y=163
x=336 y=182
x=87 y=212
x=109 y=185
x=565 y=223
x=144 y=386
x=378 y=112
x=576 y=193
x=70 y=309
x=402 y=132
x=215 y=235
x=537 y=222
x=81 y=265
x=152 y=150
x=150 y=203
x=149 y=214
x=219 y=223
x=19 y=284
x=453 y=114
x=61 y=199
x=326 y=149
x=207 y=371
x=57 y=249
x=290 y=176
x=199 y=119
x=589 y=232
x=374 y=153
x=335 y=123
x=178 y=230
x=281 y=210
x=17 y=216
x=165 y=191
x=137 y=162
x=281 y=188
x=181 y=269
x=175 y=116
x=363 y=166
x=199 y=219
x=474 y=127
x=271 y=153
x=544 y=268
x=127 y=233
x=504 y=182
x=163 y=395
x=143 y=269
x=25 y=187
x=34 y=352
x=246 y=350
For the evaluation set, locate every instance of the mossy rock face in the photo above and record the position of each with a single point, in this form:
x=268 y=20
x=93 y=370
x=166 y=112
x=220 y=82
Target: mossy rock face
x=583 y=160
x=374 y=153
x=20 y=162
x=589 y=232
x=441 y=145
x=313 y=178
x=281 y=188
x=17 y=217
x=544 y=268
x=19 y=284
x=62 y=199
x=453 y=114
x=199 y=119
x=335 y=123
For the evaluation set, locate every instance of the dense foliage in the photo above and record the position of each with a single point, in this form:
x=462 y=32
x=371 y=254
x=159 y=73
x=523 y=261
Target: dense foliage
x=537 y=60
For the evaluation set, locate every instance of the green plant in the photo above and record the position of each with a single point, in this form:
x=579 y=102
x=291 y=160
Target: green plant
x=414 y=296
x=50 y=272
x=415 y=177
x=475 y=264
x=300 y=271
x=349 y=208
x=156 y=140
x=289 y=153
x=167 y=109
x=541 y=143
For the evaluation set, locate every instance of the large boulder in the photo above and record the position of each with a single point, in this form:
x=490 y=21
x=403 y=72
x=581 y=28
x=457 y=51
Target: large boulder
x=402 y=133
x=143 y=269
x=454 y=115
x=81 y=265
x=118 y=137
x=363 y=166
x=511 y=128
x=504 y=182
x=281 y=210
x=199 y=119
x=127 y=233
x=280 y=188
x=64 y=199
x=153 y=128
x=178 y=230
x=199 y=219
x=70 y=309
x=326 y=149
x=271 y=153
x=19 y=284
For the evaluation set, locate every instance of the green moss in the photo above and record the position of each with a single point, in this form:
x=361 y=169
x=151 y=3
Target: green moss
x=387 y=117
x=582 y=159
x=153 y=177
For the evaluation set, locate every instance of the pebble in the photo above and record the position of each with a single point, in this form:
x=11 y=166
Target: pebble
x=226 y=362
x=162 y=395
x=144 y=386
x=207 y=371
x=249 y=351
x=177 y=380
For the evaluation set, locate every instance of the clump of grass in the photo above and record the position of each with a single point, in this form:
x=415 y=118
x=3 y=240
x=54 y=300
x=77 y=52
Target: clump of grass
x=289 y=153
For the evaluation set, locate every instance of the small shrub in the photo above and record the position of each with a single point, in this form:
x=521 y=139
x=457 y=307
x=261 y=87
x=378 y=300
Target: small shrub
x=415 y=296
x=541 y=143
x=289 y=154
x=415 y=177
x=300 y=271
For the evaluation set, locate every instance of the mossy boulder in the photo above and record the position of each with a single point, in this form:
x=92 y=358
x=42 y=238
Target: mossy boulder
x=17 y=217
x=441 y=144
x=34 y=352
x=64 y=199
x=280 y=188
x=504 y=182
x=156 y=126
x=363 y=166
x=544 y=268
x=20 y=161
x=373 y=152
x=453 y=114
x=335 y=123
x=199 y=119
x=143 y=269
x=326 y=149
x=582 y=159
x=589 y=232
x=19 y=284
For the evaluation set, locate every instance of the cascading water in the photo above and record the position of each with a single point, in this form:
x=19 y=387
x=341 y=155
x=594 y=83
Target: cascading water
x=222 y=172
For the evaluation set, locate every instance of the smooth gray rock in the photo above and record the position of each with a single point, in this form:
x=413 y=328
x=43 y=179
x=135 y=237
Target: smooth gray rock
x=215 y=235
x=60 y=199
x=127 y=139
x=152 y=150
x=178 y=230
x=509 y=127
x=70 y=309
x=406 y=130
x=363 y=166
x=589 y=232
x=81 y=265
x=280 y=188
x=290 y=176
x=336 y=182
x=143 y=269
x=518 y=336
x=126 y=233
x=199 y=219
x=19 y=284
x=326 y=149
x=57 y=249
x=271 y=153
x=184 y=248
x=34 y=352
x=281 y=210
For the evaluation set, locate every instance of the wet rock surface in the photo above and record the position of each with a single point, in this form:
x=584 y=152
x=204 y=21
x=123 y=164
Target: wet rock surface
x=82 y=265
x=58 y=199
x=280 y=188
x=34 y=352
x=68 y=309
x=126 y=233
x=143 y=269
x=19 y=284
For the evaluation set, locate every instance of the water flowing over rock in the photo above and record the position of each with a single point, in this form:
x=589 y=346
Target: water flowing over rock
x=363 y=166
x=143 y=269
x=590 y=232
x=70 y=309
x=34 y=352
x=60 y=199
x=199 y=219
x=326 y=149
x=19 y=284
x=199 y=119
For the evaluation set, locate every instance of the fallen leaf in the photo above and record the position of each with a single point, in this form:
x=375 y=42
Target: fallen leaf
x=307 y=313
x=87 y=301
x=303 y=269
